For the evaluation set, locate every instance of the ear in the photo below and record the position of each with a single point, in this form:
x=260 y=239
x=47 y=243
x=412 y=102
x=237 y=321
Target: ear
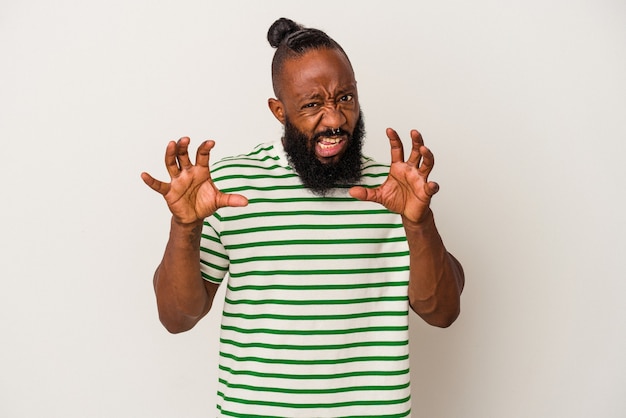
x=277 y=108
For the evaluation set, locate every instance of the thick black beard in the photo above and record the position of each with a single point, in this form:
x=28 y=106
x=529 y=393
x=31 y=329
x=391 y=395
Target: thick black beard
x=320 y=177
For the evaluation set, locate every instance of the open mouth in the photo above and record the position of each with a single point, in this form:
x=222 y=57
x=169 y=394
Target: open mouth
x=329 y=142
x=330 y=146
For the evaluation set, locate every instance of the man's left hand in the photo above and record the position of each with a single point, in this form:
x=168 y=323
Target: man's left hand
x=406 y=190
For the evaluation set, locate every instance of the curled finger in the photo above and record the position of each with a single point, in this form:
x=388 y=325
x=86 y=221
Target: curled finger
x=417 y=143
x=397 y=149
x=204 y=152
x=428 y=161
x=431 y=188
x=182 y=153
x=171 y=163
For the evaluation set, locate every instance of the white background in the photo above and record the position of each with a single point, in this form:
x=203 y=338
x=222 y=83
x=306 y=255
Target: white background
x=522 y=102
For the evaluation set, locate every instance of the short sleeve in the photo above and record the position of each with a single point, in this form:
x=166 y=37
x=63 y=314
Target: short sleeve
x=214 y=260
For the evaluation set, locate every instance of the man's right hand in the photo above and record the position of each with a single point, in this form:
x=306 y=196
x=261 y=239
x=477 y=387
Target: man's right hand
x=191 y=195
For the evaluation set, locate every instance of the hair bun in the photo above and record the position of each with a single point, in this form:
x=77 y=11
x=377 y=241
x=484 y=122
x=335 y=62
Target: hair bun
x=280 y=30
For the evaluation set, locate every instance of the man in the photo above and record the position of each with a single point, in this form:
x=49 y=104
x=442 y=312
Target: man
x=325 y=249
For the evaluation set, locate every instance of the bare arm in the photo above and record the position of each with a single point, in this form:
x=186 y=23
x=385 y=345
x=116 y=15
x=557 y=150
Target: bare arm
x=183 y=296
x=436 y=277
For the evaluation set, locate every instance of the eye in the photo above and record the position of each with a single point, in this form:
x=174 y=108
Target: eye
x=347 y=98
x=310 y=105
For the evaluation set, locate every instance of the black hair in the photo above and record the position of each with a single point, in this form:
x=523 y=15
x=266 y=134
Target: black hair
x=293 y=40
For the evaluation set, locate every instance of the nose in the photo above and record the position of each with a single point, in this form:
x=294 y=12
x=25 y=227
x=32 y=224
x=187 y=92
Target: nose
x=332 y=118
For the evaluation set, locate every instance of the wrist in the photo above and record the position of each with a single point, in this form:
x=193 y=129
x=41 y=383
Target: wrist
x=186 y=234
x=427 y=220
x=177 y=223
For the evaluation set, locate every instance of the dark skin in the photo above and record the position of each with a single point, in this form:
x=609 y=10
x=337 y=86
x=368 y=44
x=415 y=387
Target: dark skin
x=436 y=277
x=183 y=297
x=317 y=92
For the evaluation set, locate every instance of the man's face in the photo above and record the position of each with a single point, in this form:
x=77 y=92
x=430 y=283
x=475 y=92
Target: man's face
x=319 y=96
x=319 y=107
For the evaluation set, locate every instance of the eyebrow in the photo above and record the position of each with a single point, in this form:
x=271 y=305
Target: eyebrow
x=351 y=89
x=312 y=96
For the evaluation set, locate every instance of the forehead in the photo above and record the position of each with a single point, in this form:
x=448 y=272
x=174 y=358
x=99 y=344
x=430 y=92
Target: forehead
x=322 y=69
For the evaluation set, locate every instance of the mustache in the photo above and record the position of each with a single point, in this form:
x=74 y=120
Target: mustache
x=331 y=132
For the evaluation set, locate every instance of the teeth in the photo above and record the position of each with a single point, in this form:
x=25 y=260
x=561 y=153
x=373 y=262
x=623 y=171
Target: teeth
x=329 y=142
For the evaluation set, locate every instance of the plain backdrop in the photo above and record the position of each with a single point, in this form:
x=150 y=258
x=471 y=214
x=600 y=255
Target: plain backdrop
x=522 y=102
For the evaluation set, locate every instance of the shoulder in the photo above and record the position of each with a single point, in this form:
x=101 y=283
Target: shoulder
x=262 y=167
x=262 y=155
x=264 y=158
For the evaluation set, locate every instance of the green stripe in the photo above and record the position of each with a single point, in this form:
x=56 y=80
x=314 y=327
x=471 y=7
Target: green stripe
x=206 y=224
x=268 y=188
x=319 y=257
x=314 y=405
x=267 y=163
x=253 y=163
x=314 y=332
x=209 y=237
x=376 y=175
x=213 y=266
x=370 y=163
x=247 y=415
x=343 y=286
x=249 y=155
x=400 y=415
x=367 y=314
x=210 y=278
x=315 y=302
x=257 y=150
x=215 y=253
x=314 y=391
x=264 y=360
x=333 y=213
x=316 y=242
x=256 y=176
x=301 y=199
x=319 y=272
x=309 y=227
x=315 y=376
x=316 y=347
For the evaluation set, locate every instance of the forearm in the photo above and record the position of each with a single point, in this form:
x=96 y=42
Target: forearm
x=181 y=294
x=436 y=277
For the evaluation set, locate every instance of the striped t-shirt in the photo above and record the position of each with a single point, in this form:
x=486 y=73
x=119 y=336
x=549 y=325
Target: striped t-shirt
x=315 y=320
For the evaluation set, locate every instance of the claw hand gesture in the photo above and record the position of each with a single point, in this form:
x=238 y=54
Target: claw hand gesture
x=406 y=190
x=191 y=195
